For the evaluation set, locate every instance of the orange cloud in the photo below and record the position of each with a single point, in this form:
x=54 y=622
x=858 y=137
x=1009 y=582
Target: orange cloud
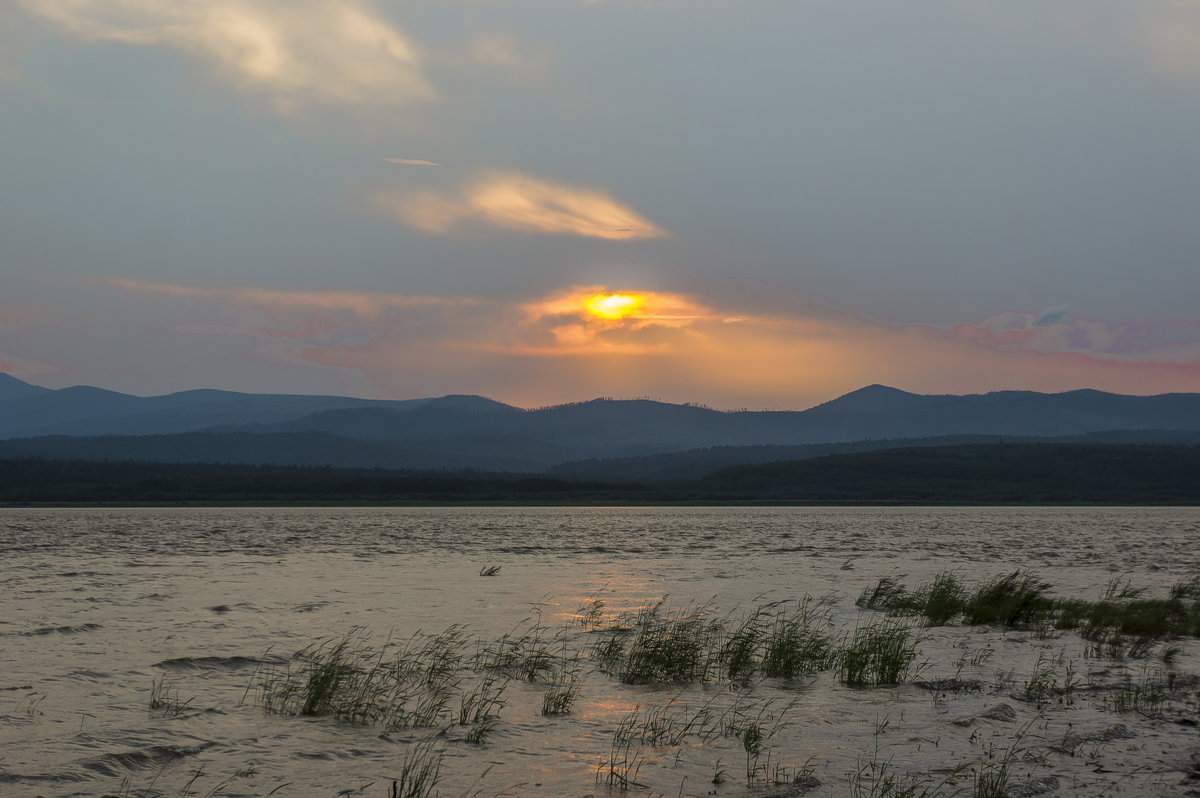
x=295 y=52
x=511 y=201
x=362 y=304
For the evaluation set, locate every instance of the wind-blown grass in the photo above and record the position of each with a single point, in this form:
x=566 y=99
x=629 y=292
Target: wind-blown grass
x=716 y=667
x=881 y=653
x=349 y=678
x=690 y=645
x=1122 y=623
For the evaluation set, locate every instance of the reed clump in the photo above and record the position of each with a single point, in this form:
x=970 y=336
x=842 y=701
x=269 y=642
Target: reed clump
x=530 y=652
x=800 y=643
x=689 y=645
x=410 y=685
x=1121 y=623
x=881 y=653
x=665 y=645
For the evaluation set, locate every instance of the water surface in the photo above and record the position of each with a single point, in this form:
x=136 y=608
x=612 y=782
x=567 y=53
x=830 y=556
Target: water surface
x=101 y=603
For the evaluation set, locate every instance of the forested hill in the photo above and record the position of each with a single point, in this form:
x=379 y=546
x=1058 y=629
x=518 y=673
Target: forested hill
x=974 y=474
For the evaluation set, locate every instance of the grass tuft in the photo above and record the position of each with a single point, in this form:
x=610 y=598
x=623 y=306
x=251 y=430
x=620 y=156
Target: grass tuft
x=881 y=653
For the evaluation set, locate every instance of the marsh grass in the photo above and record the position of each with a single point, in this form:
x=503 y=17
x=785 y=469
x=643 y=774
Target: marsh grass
x=1123 y=622
x=1053 y=678
x=560 y=698
x=876 y=777
x=411 y=685
x=164 y=698
x=530 y=652
x=991 y=779
x=719 y=661
x=941 y=601
x=1147 y=695
x=621 y=767
x=886 y=594
x=483 y=702
x=738 y=655
x=420 y=771
x=800 y=643
x=692 y=645
x=881 y=653
x=1013 y=600
x=671 y=646
x=590 y=614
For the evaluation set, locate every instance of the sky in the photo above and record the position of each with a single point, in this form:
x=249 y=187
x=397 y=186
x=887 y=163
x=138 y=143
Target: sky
x=755 y=204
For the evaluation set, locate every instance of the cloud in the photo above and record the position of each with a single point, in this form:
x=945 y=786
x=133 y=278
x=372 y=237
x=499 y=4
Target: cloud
x=296 y=52
x=520 y=203
x=727 y=347
x=1170 y=36
x=411 y=162
x=1051 y=315
x=363 y=305
x=1172 y=344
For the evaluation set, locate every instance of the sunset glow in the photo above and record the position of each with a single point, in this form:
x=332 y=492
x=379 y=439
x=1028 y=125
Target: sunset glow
x=614 y=306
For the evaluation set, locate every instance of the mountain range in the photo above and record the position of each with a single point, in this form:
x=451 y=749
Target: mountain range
x=598 y=439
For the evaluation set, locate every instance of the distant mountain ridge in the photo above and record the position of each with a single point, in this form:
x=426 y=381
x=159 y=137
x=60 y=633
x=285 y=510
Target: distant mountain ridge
x=474 y=432
x=27 y=410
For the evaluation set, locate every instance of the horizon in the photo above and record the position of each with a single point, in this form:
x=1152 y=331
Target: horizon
x=540 y=202
x=700 y=405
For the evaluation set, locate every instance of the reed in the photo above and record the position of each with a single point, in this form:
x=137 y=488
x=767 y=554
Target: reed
x=882 y=653
x=1013 y=600
x=674 y=646
x=1122 y=623
x=886 y=594
x=559 y=699
x=620 y=768
x=739 y=646
x=799 y=644
x=529 y=652
x=164 y=698
x=1147 y=695
x=420 y=771
x=942 y=601
x=351 y=679
x=1053 y=677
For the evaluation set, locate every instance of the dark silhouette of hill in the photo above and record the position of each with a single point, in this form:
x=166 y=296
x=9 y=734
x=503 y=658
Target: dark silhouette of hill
x=976 y=474
x=988 y=474
x=12 y=388
x=473 y=432
x=289 y=449
x=697 y=463
x=28 y=410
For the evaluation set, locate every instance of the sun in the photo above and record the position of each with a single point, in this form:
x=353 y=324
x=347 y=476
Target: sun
x=614 y=306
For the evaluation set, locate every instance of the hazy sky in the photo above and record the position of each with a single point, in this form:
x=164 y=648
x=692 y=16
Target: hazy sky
x=410 y=198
